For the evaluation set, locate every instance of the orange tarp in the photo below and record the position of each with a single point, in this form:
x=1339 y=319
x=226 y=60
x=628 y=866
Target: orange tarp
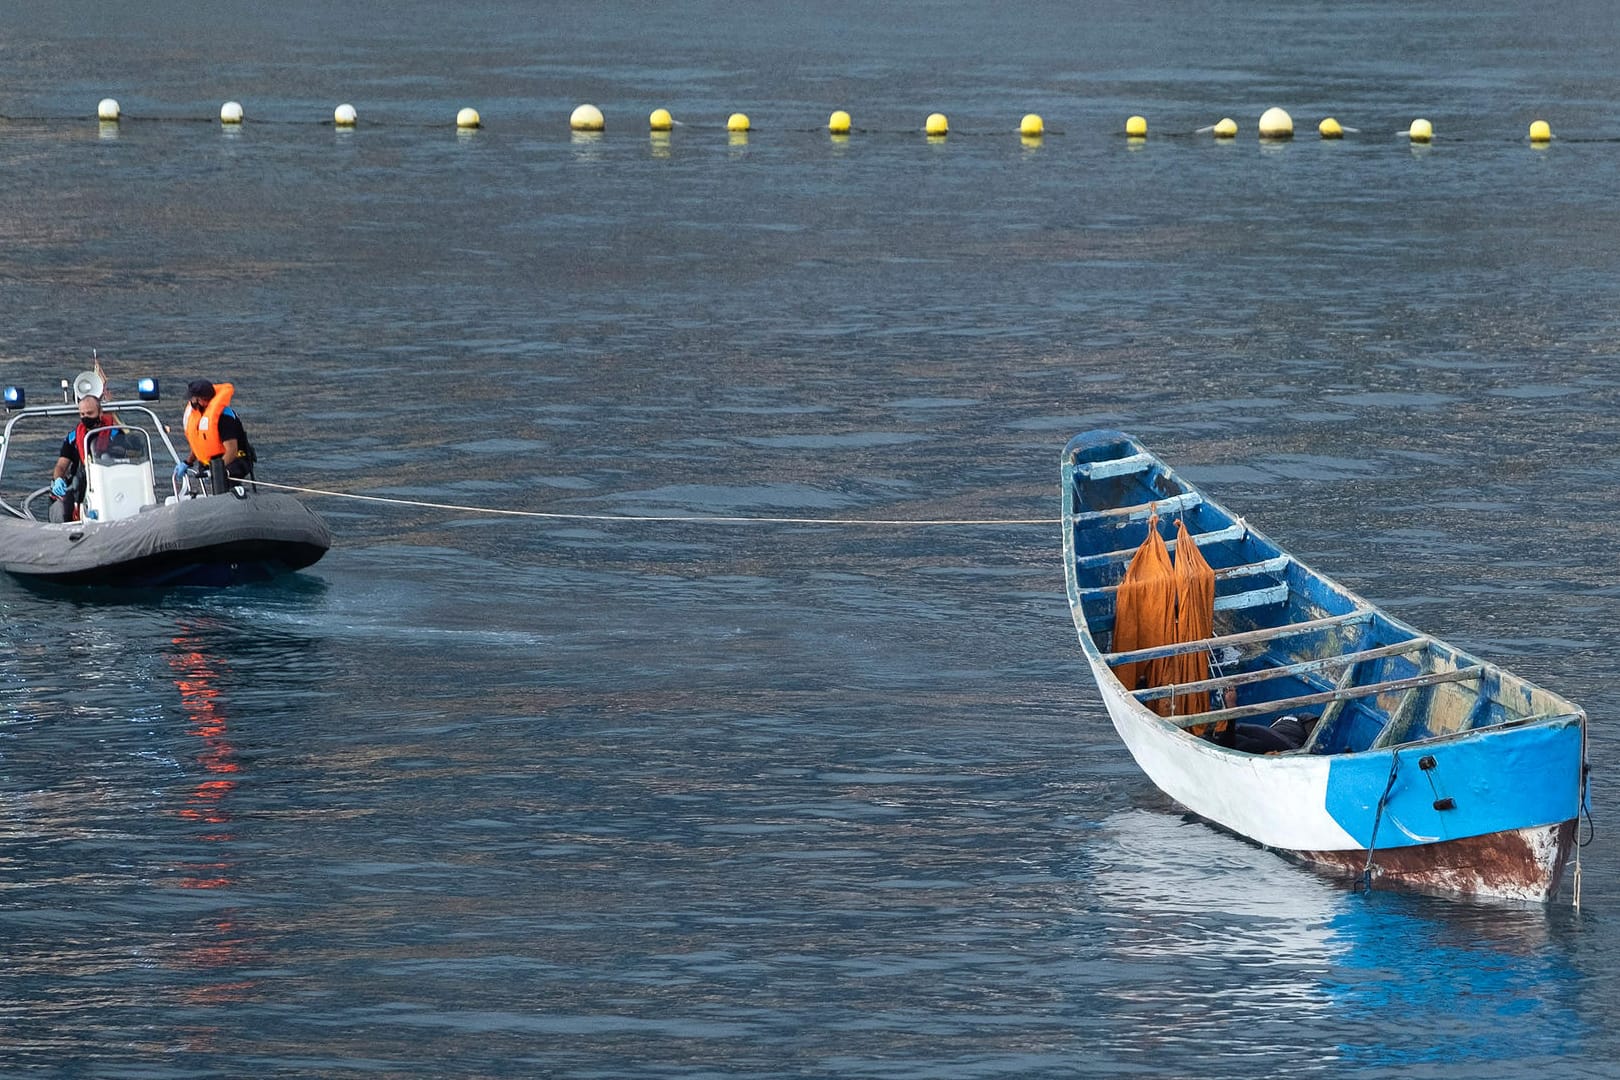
x=1195 y=620
x=1145 y=606
x=1160 y=603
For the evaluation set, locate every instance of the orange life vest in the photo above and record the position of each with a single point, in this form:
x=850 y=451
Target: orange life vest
x=202 y=427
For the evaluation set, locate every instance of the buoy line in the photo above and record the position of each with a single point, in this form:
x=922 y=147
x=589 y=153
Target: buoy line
x=702 y=519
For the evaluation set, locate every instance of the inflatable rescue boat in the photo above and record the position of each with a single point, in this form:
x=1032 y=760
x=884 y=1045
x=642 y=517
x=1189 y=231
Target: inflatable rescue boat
x=204 y=530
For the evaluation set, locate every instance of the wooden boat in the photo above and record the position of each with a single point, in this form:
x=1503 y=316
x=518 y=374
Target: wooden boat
x=1334 y=733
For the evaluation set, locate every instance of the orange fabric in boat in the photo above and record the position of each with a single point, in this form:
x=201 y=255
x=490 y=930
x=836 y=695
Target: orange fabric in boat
x=1145 y=607
x=1195 y=620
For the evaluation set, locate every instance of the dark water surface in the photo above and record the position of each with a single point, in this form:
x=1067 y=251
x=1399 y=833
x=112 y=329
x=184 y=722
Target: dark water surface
x=488 y=796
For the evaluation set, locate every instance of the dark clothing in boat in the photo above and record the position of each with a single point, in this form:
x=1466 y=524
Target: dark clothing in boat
x=100 y=437
x=230 y=427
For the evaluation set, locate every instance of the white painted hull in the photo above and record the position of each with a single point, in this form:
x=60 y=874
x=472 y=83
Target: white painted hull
x=1281 y=802
x=1275 y=801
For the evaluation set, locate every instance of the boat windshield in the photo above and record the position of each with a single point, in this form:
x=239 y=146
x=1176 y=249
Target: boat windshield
x=119 y=455
x=116 y=446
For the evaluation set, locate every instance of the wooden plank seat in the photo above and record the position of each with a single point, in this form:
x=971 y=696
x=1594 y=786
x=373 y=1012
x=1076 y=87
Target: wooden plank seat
x=1236 y=531
x=1245 y=637
x=1261 y=597
x=1265 y=566
x=1343 y=693
x=1170 y=504
x=1122 y=466
x=1303 y=667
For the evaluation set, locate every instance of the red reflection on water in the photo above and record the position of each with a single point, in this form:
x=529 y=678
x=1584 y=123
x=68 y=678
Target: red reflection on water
x=199 y=698
x=219 y=946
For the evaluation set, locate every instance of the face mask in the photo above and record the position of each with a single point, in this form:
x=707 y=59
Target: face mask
x=91 y=421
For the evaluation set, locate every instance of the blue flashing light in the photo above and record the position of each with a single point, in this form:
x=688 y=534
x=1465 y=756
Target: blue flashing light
x=147 y=388
x=16 y=397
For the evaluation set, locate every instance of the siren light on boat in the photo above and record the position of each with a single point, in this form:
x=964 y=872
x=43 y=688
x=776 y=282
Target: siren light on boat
x=147 y=388
x=16 y=398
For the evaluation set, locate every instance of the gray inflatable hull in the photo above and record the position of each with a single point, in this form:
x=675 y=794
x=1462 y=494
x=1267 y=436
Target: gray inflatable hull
x=212 y=541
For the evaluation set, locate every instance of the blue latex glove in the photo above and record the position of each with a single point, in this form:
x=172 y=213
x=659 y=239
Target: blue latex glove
x=59 y=487
x=180 y=473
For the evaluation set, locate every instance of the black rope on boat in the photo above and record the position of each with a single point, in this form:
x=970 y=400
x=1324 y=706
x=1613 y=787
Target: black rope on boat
x=1378 y=816
x=1586 y=806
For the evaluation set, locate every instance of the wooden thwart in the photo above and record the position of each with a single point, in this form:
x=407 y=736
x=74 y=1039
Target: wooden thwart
x=1216 y=536
x=1254 y=569
x=1170 y=504
x=1246 y=637
x=1243 y=677
x=1261 y=708
x=1101 y=470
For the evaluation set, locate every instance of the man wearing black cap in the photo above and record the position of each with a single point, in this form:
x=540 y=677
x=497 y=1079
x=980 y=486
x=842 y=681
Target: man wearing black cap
x=214 y=430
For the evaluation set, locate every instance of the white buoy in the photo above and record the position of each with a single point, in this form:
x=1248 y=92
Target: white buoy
x=345 y=116
x=587 y=118
x=230 y=112
x=469 y=118
x=1421 y=131
x=1276 y=124
x=107 y=110
x=1225 y=128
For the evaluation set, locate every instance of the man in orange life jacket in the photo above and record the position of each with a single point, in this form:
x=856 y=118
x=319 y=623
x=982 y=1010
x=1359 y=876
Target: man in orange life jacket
x=214 y=430
x=66 y=474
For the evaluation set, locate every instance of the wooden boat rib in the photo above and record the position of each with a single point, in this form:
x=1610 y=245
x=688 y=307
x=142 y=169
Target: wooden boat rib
x=1336 y=734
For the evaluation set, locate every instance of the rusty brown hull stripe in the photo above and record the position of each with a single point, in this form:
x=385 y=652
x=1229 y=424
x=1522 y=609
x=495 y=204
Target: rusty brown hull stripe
x=1504 y=863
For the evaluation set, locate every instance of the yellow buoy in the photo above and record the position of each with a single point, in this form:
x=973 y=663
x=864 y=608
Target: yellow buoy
x=1225 y=128
x=737 y=122
x=660 y=120
x=1276 y=124
x=1136 y=127
x=1330 y=129
x=1540 y=131
x=1031 y=126
x=230 y=112
x=838 y=123
x=345 y=116
x=1420 y=131
x=469 y=118
x=107 y=109
x=936 y=124
x=586 y=118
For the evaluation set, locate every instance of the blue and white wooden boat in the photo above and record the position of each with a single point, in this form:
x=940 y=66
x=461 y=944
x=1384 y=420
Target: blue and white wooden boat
x=1360 y=746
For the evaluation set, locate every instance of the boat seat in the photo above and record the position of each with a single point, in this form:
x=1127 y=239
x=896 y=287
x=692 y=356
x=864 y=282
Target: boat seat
x=1216 y=536
x=1123 y=466
x=1261 y=708
x=1249 y=598
x=1170 y=504
x=1303 y=667
x=1267 y=566
x=1246 y=637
